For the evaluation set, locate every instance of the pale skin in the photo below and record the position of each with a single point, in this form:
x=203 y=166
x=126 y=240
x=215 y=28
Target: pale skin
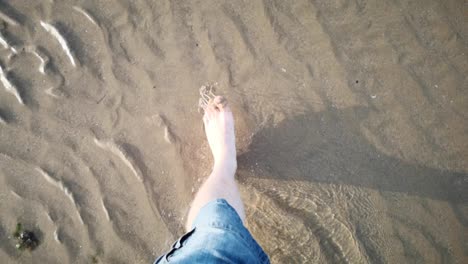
x=219 y=129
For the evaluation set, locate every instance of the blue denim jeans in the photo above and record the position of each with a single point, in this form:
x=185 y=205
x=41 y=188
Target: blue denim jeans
x=217 y=236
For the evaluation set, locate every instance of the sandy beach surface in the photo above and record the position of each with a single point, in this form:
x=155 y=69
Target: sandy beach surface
x=351 y=121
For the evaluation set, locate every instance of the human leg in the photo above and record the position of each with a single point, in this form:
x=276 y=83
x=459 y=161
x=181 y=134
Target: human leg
x=219 y=128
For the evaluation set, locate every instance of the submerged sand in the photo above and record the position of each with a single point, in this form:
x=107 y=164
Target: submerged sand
x=352 y=126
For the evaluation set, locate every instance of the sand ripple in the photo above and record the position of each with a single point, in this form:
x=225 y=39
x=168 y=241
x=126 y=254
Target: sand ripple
x=351 y=120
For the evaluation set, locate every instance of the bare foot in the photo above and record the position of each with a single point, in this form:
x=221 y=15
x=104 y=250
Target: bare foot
x=219 y=129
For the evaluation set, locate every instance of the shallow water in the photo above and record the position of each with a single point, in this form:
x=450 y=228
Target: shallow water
x=351 y=122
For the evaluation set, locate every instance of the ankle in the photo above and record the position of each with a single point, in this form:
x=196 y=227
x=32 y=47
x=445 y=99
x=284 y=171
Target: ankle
x=228 y=166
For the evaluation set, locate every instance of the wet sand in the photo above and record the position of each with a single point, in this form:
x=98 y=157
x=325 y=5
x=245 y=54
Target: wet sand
x=352 y=126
